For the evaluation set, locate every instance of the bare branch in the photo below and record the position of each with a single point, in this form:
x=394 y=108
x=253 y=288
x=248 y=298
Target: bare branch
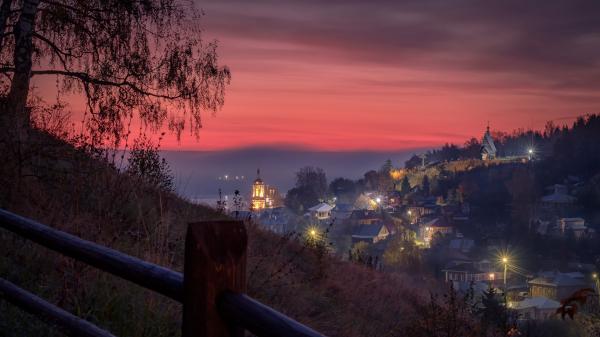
x=86 y=78
x=57 y=51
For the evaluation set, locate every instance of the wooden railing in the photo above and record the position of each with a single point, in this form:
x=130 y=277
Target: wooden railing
x=211 y=288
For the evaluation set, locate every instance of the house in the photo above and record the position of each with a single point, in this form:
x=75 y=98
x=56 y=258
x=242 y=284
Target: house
x=559 y=202
x=321 y=211
x=576 y=225
x=429 y=229
x=370 y=233
x=556 y=285
x=342 y=211
x=466 y=272
x=365 y=217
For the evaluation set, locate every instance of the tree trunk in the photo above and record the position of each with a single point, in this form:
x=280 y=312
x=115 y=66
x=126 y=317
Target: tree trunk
x=4 y=14
x=19 y=89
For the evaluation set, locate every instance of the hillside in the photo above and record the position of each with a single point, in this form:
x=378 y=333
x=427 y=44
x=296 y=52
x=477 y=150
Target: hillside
x=84 y=193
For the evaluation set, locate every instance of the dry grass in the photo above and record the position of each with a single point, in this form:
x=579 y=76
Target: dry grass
x=68 y=190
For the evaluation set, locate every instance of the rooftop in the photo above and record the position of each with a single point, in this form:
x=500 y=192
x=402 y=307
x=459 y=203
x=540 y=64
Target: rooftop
x=322 y=207
x=536 y=302
x=368 y=231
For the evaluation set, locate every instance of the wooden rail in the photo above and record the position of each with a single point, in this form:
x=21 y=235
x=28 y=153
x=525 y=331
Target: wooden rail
x=211 y=288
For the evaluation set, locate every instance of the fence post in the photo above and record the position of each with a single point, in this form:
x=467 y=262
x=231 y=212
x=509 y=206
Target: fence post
x=215 y=260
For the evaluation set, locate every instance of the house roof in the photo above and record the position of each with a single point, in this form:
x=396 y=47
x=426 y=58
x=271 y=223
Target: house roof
x=558 y=280
x=369 y=231
x=360 y=214
x=436 y=222
x=537 y=302
x=322 y=207
x=464 y=267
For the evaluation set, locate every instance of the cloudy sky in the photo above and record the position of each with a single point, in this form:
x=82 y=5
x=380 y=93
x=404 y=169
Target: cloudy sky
x=392 y=75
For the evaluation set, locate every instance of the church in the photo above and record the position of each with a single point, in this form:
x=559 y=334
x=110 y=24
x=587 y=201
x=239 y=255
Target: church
x=488 y=148
x=263 y=196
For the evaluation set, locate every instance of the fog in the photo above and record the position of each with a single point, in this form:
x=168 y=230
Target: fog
x=199 y=174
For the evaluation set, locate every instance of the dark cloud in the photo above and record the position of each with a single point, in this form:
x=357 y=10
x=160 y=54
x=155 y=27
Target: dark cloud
x=553 y=44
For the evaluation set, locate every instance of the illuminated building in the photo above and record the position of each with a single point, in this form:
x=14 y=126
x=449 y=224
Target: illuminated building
x=488 y=148
x=263 y=196
x=258 y=193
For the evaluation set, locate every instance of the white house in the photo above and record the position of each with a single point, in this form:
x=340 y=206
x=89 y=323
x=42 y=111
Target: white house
x=321 y=211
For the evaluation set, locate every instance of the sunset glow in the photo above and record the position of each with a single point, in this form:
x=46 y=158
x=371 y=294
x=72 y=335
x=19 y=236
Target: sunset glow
x=325 y=76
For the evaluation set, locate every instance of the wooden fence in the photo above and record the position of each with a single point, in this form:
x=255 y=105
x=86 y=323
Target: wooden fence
x=211 y=288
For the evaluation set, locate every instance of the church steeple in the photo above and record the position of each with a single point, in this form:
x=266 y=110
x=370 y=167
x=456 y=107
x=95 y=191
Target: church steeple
x=258 y=193
x=488 y=148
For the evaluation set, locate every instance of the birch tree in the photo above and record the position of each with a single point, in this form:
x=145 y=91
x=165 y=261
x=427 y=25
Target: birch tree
x=128 y=58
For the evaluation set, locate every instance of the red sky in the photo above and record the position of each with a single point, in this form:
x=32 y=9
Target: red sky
x=385 y=75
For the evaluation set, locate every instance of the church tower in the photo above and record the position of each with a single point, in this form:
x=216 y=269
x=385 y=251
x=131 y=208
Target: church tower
x=488 y=148
x=258 y=193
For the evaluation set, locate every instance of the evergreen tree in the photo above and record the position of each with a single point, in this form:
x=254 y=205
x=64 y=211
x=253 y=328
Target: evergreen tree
x=405 y=185
x=425 y=186
x=493 y=313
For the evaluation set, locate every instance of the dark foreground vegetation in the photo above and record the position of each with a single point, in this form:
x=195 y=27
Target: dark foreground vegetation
x=82 y=191
x=89 y=192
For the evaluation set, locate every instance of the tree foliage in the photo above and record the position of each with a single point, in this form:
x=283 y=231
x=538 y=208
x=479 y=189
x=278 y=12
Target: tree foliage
x=127 y=58
x=146 y=164
x=311 y=187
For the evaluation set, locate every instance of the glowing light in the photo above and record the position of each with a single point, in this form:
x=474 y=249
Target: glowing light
x=409 y=212
x=530 y=151
x=313 y=233
x=594 y=275
x=397 y=174
x=505 y=260
x=378 y=200
x=492 y=276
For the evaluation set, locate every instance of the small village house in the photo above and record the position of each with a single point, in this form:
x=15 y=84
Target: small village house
x=320 y=212
x=429 y=229
x=556 y=285
x=370 y=233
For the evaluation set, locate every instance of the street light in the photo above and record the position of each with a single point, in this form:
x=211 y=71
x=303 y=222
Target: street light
x=530 y=153
x=595 y=277
x=505 y=262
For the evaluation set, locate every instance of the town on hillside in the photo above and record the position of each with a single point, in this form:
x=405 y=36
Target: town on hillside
x=478 y=220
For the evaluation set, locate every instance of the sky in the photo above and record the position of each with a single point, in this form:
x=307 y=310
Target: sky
x=386 y=75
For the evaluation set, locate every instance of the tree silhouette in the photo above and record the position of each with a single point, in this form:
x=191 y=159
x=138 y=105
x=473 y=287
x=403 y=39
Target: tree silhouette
x=405 y=185
x=425 y=185
x=126 y=57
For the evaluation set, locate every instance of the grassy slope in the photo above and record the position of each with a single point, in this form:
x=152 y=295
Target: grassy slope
x=66 y=189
